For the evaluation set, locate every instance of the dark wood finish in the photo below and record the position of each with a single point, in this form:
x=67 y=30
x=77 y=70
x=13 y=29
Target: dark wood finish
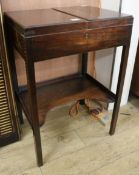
x=40 y=35
x=52 y=26
x=135 y=79
x=119 y=88
x=113 y=28
x=84 y=70
x=54 y=68
x=70 y=43
x=45 y=21
x=108 y=37
x=31 y=85
x=75 y=88
x=84 y=63
x=91 y=13
x=73 y=36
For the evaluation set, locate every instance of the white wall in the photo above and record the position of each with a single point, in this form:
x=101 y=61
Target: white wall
x=104 y=61
x=129 y=7
x=110 y=4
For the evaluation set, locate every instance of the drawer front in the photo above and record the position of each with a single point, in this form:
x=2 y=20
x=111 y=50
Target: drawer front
x=108 y=37
x=57 y=45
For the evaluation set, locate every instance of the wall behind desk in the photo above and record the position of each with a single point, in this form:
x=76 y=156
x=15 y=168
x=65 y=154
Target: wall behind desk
x=12 y=5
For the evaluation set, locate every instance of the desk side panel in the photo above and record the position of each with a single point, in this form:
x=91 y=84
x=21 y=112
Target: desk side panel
x=16 y=39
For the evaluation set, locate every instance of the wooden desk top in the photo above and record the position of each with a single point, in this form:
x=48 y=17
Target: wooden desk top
x=40 y=18
x=61 y=19
x=91 y=13
x=65 y=34
x=34 y=19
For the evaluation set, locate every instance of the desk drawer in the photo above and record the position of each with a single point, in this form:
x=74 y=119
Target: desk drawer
x=108 y=37
x=57 y=45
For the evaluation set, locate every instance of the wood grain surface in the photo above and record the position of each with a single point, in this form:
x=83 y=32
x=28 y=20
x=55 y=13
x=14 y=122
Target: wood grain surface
x=106 y=33
x=52 y=68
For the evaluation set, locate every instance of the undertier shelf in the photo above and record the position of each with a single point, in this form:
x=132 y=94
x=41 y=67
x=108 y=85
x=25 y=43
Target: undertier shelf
x=61 y=92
